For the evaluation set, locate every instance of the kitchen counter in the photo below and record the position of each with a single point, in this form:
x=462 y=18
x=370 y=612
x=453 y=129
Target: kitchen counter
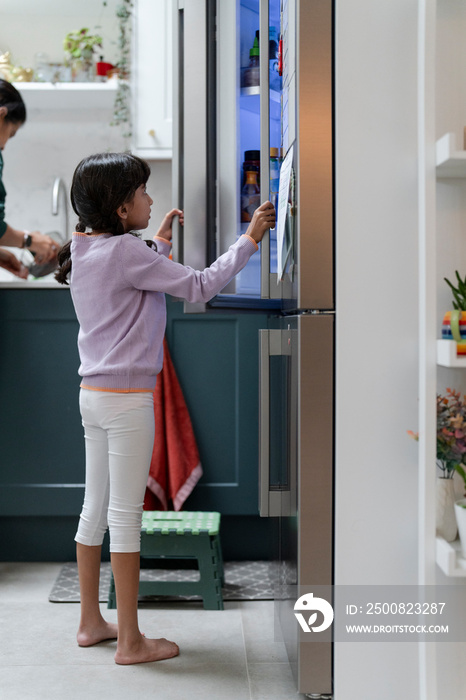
x=32 y=284
x=10 y=281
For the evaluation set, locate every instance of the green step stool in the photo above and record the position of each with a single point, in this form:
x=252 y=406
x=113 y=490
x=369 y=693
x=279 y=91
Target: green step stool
x=182 y=535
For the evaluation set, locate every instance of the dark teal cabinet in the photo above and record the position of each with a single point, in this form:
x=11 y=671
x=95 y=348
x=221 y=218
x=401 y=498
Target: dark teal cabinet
x=42 y=448
x=42 y=451
x=216 y=359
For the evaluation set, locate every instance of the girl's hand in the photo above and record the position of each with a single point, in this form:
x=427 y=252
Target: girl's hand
x=10 y=262
x=165 y=229
x=262 y=219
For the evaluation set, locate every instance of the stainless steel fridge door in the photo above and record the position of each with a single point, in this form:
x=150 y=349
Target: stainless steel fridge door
x=311 y=92
x=189 y=166
x=216 y=121
x=269 y=287
x=305 y=557
x=243 y=120
x=278 y=404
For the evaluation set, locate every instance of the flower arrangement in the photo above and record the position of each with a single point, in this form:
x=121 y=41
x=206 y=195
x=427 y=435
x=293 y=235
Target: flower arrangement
x=81 y=44
x=451 y=434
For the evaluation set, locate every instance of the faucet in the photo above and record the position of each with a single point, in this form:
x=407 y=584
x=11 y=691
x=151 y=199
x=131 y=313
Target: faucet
x=59 y=186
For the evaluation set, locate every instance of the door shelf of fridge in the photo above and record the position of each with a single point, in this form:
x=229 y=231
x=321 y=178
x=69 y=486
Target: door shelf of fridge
x=275 y=96
x=252 y=5
x=248 y=280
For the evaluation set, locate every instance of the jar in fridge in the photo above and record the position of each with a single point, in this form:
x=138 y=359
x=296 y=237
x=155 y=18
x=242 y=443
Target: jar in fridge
x=251 y=76
x=252 y=161
x=250 y=196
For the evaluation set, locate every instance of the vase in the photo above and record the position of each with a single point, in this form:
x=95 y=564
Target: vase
x=460 y=513
x=445 y=510
x=454 y=328
x=82 y=70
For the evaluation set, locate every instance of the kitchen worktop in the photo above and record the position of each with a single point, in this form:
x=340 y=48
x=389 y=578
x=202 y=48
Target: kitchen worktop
x=31 y=284
x=10 y=281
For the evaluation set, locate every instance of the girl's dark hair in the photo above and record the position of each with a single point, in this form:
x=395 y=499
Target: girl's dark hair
x=12 y=100
x=101 y=183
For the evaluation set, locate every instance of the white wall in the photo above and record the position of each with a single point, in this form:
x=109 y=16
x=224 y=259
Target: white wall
x=51 y=144
x=29 y=26
x=377 y=326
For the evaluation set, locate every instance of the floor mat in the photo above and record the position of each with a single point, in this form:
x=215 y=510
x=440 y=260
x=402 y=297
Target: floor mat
x=244 y=580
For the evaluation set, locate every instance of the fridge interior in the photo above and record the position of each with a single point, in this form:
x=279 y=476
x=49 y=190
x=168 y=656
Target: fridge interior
x=240 y=175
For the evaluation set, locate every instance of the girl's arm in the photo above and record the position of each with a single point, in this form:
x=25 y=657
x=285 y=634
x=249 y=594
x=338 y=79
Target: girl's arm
x=164 y=234
x=165 y=228
x=147 y=271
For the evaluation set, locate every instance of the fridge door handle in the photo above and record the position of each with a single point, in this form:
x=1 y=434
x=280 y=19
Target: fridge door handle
x=272 y=502
x=177 y=159
x=264 y=137
x=271 y=287
x=264 y=423
x=189 y=167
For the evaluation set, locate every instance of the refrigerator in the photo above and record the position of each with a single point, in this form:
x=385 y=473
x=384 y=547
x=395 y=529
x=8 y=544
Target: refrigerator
x=253 y=120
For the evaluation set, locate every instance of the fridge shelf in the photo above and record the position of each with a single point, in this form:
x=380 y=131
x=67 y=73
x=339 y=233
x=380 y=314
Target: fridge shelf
x=449 y=557
x=255 y=90
x=251 y=101
x=450 y=161
x=446 y=354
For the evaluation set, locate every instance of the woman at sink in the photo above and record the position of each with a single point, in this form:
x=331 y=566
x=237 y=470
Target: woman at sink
x=12 y=117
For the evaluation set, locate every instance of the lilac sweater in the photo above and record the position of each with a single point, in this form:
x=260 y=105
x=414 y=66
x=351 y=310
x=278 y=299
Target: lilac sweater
x=117 y=286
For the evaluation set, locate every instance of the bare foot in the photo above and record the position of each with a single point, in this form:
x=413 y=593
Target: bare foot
x=87 y=637
x=147 y=650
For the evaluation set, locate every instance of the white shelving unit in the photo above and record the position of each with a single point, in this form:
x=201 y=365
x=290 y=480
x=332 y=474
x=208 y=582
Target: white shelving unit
x=450 y=557
x=68 y=95
x=450 y=161
x=447 y=355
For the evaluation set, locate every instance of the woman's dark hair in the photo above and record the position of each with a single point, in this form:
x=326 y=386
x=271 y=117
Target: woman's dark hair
x=12 y=100
x=102 y=183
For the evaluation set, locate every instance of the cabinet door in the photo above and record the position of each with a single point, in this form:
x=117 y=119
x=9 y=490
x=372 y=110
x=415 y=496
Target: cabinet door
x=216 y=361
x=152 y=79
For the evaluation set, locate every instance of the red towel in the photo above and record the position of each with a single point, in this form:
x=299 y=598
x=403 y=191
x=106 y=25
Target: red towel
x=175 y=467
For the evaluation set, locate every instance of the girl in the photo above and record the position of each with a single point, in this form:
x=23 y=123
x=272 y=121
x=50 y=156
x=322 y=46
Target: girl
x=117 y=285
x=12 y=117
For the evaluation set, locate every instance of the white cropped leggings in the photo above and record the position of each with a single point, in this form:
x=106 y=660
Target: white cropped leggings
x=119 y=437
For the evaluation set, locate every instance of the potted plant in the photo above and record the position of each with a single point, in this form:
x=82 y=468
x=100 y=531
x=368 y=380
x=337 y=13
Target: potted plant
x=451 y=458
x=79 y=49
x=454 y=322
x=460 y=511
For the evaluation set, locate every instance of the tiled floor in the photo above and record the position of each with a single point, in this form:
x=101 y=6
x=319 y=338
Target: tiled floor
x=229 y=655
